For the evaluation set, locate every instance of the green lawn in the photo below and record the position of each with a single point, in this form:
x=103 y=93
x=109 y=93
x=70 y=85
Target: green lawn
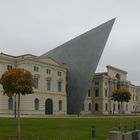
x=65 y=128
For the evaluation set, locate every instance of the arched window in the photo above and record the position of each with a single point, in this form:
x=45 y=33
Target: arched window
x=118 y=76
x=36 y=103
x=60 y=105
x=10 y=103
x=89 y=106
x=96 y=107
x=118 y=82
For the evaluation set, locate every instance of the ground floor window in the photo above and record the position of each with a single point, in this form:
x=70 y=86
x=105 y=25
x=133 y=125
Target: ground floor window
x=89 y=106
x=36 y=103
x=96 y=107
x=114 y=107
x=106 y=107
x=60 y=105
x=83 y=107
x=126 y=107
x=10 y=103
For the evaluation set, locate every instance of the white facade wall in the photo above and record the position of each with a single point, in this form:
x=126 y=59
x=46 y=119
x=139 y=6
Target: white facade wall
x=98 y=101
x=27 y=105
x=106 y=83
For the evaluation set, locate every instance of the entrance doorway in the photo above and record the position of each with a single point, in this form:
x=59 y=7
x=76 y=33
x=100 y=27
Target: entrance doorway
x=49 y=107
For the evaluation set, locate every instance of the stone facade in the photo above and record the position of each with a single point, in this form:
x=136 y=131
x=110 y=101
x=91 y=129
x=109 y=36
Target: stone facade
x=98 y=98
x=50 y=81
x=50 y=95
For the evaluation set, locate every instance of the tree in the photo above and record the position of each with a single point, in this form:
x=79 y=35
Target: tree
x=17 y=82
x=121 y=95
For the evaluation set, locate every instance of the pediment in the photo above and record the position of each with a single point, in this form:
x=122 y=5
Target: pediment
x=50 y=61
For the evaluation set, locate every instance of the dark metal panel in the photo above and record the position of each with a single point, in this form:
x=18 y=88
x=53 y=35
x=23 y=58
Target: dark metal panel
x=81 y=55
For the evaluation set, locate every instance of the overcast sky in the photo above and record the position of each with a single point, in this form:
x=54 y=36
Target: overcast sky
x=37 y=26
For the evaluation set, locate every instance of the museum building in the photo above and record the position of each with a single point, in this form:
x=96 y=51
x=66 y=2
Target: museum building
x=50 y=97
x=98 y=99
x=50 y=85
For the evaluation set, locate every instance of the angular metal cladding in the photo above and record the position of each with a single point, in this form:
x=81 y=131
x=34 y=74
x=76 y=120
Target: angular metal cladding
x=81 y=55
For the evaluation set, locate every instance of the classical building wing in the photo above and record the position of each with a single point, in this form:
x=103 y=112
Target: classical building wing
x=81 y=55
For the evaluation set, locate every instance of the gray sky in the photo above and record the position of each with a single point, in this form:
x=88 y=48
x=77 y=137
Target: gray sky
x=37 y=26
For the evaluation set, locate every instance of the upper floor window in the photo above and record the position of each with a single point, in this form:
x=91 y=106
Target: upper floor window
x=96 y=83
x=48 y=71
x=59 y=86
x=136 y=97
x=9 y=67
x=133 y=97
x=105 y=83
x=48 y=84
x=96 y=92
x=59 y=73
x=89 y=93
x=36 y=82
x=118 y=76
x=36 y=68
x=105 y=92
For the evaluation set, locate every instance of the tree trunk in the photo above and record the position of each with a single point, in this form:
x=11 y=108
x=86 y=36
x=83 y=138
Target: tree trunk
x=121 y=108
x=18 y=121
x=15 y=107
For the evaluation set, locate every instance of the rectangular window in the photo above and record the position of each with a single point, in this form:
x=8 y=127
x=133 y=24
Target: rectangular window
x=48 y=71
x=105 y=83
x=60 y=105
x=96 y=92
x=106 y=107
x=83 y=107
x=59 y=73
x=96 y=83
x=105 y=92
x=114 y=107
x=89 y=93
x=36 y=69
x=96 y=107
x=36 y=83
x=48 y=84
x=126 y=107
x=9 y=67
x=59 y=86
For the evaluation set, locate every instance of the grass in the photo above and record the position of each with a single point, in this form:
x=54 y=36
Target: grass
x=65 y=128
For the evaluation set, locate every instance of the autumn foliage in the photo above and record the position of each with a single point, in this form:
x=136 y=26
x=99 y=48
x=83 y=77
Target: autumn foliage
x=121 y=95
x=17 y=81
